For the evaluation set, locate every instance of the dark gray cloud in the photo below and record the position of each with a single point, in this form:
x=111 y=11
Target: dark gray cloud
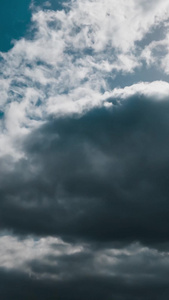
x=99 y=177
x=17 y=286
x=99 y=181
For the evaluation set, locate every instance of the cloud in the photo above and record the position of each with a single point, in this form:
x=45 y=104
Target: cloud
x=24 y=254
x=50 y=266
x=101 y=176
x=156 y=53
x=66 y=63
x=95 y=287
x=156 y=90
x=84 y=156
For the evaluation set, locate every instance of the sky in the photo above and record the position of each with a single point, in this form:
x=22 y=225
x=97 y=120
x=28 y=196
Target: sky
x=84 y=150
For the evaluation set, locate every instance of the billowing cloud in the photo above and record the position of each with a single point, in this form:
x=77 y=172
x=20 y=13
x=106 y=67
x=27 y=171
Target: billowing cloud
x=102 y=176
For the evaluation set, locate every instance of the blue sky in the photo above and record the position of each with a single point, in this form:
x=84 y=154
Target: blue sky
x=84 y=149
x=15 y=18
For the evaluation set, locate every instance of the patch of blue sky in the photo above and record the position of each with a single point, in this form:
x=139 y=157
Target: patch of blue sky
x=143 y=74
x=15 y=19
x=156 y=33
x=1 y=114
x=50 y=4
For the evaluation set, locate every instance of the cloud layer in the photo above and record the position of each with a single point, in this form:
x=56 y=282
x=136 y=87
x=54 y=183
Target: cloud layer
x=50 y=266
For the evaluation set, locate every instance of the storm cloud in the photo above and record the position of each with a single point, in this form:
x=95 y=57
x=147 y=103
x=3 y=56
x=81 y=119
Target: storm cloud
x=99 y=176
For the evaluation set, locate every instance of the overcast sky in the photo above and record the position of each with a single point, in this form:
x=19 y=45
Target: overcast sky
x=84 y=150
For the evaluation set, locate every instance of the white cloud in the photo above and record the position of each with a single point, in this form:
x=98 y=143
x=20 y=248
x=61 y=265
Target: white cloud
x=16 y=254
x=50 y=257
x=156 y=90
x=157 y=53
x=64 y=68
